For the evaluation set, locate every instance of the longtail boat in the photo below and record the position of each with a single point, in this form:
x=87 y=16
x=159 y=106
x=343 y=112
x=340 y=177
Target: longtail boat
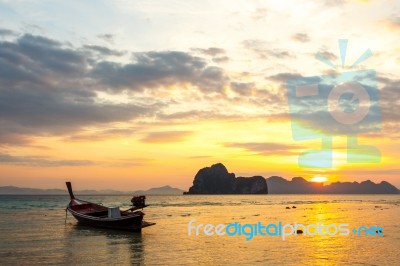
x=96 y=215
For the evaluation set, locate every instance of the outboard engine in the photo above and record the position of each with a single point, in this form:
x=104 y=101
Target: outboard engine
x=138 y=202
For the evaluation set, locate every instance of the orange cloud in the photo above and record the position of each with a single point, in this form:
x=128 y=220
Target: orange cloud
x=166 y=136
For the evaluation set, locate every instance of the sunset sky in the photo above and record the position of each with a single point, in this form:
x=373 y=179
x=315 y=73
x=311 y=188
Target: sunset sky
x=130 y=95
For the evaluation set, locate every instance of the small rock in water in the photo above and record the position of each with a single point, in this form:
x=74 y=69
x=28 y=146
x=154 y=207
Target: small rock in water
x=299 y=231
x=294 y=207
x=287 y=207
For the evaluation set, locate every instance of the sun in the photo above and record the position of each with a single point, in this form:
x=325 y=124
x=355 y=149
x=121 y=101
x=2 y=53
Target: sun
x=319 y=179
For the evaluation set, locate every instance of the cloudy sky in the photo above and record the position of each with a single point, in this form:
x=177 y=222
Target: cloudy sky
x=137 y=94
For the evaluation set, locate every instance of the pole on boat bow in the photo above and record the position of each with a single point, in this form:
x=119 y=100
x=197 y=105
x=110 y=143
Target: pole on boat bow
x=71 y=194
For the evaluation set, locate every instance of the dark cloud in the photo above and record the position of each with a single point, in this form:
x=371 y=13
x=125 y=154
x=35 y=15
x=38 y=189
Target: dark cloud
x=389 y=99
x=280 y=54
x=107 y=37
x=387 y=81
x=261 y=49
x=38 y=58
x=58 y=112
x=283 y=77
x=257 y=47
x=6 y=32
x=45 y=90
x=40 y=161
x=103 y=50
x=301 y=37
x=212 y=51
x=166 y=136
x=217 y=54
x=8 y=137
x=390 y=129
x=242 y=88
x=221 y=59
x=275 y=99
x=152 y=70
x=328 y=55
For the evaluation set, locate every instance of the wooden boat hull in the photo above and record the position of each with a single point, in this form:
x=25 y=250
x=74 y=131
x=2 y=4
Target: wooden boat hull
x=129 y=223
x=96 y=215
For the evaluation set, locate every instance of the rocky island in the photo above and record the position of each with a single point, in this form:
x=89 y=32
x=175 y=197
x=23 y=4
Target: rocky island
x=217 y=180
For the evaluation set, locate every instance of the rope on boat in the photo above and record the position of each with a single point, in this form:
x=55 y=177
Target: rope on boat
x=66 y=213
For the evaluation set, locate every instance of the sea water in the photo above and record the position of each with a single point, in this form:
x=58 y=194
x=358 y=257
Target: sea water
x=33 y=230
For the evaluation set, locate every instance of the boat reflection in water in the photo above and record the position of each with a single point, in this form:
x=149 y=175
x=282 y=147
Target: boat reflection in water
x=95 y=246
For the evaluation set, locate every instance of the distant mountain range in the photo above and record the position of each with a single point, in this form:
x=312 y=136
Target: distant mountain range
x=165 y=190
x=298 y=185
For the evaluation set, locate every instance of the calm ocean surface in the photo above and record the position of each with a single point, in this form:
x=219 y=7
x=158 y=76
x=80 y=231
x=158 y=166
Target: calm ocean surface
x=33 y=231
